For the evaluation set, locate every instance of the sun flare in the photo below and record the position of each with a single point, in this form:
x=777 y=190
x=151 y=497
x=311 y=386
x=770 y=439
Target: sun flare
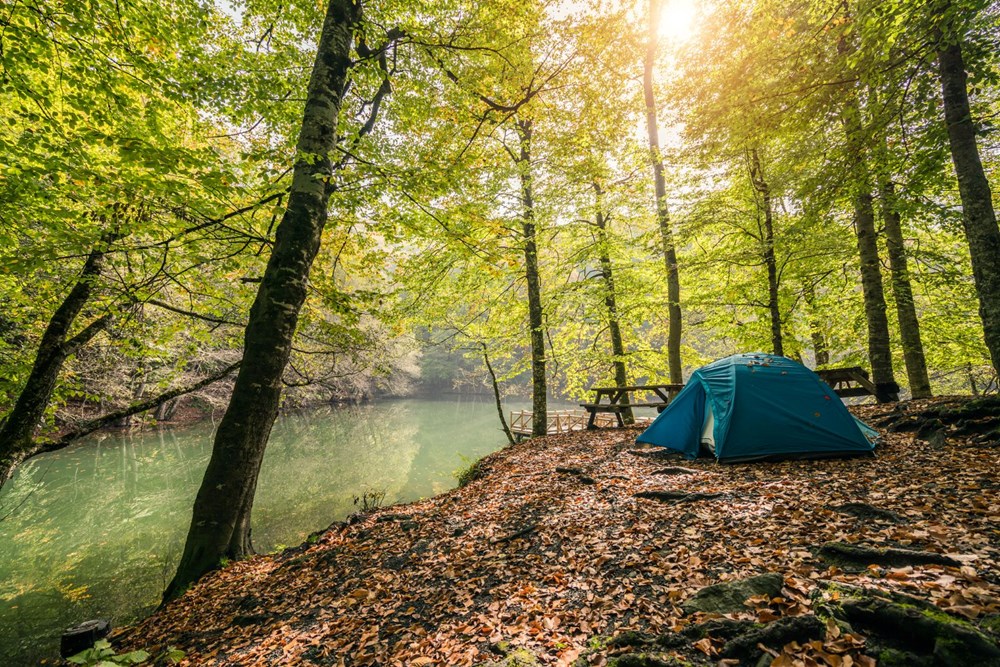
x=677 y=20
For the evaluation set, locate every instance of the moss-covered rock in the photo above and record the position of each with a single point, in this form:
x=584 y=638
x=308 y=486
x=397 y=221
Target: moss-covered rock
x=646 y=660
x=729 y=596
x=991 y=624
x=513 y=658
x=917 y=636
x=801 y=629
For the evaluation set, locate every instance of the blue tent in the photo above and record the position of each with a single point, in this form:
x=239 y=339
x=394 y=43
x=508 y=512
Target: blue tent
x=753 y=406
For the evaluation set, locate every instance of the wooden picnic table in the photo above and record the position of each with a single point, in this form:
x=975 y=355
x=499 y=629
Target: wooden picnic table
x=853 y=381
x=848 y=381
x=619 y=399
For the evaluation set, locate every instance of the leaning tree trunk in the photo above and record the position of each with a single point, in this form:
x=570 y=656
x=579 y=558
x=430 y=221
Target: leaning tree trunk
x=879 y=352
x=220 y=523
x=978 y=215
x=539 y=415
x=496 y=395
x=762 y=188
x=662 y=214
x=17 y=432
x=611 y=302
x=906 y=311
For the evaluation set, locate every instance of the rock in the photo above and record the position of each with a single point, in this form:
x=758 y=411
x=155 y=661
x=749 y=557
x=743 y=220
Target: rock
x=635 y=639
x=913 y=636
x=774 y=635
x=81 y=637
x=729 y=596
x=644 y=660
x=511 y=657
x=718 y=628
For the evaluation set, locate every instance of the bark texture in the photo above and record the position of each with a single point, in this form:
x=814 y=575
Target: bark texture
x=539 y=418
x=978 y=215
x=18 y=429
x=611 y=300
x=766 y=207
x=906 y=311
x=879 y=352
x=220 y=523
x=662 y=214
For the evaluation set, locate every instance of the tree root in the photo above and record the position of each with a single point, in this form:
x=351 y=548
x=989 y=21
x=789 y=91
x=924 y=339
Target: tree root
x=782 y=631
x=581 y=476
x=513 y=536
x=675 y=470
x=677 y=496
x=946 y=418
x=841 y=553
x=866 y=511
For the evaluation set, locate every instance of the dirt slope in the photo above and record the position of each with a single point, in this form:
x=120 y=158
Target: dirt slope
x=550 y=551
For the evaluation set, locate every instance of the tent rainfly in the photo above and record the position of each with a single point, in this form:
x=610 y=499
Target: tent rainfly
x=756 y=406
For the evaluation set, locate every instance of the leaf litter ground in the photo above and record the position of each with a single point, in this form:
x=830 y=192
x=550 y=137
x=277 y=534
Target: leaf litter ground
x=551 y=551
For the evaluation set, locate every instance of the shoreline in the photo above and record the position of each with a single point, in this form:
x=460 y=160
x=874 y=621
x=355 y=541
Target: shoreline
x=551 y=556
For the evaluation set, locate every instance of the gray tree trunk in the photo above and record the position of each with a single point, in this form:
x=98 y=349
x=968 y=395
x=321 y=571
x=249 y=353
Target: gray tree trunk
x=978 y=215
x=539 y=420
x=611 y=301
x=662 y=214
x=906 y=311
x=762 y=188
x=18 y=429
x=879 y=351
x=220 y=523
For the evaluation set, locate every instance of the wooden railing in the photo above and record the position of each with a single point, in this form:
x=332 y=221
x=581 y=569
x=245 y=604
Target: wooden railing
x=557 y=421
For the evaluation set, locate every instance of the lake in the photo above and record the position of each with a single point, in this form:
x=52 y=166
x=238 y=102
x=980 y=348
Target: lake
x=96 y=530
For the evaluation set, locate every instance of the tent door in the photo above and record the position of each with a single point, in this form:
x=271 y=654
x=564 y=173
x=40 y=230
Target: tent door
x=708 y=429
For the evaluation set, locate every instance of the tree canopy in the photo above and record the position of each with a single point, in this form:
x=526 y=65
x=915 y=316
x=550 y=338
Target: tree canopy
x=569 y=193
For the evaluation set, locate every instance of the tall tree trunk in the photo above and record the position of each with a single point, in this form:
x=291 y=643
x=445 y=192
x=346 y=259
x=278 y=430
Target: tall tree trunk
x=662 y=214
x=906 y=311
x=816 y=332
x=220 y=522
x=762 y=188
x=879 y=352
x=539 y=420
x=18 y=429
x=611 y=301
x=978 y=215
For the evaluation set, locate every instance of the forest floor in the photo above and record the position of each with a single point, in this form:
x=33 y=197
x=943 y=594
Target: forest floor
x=549 y=557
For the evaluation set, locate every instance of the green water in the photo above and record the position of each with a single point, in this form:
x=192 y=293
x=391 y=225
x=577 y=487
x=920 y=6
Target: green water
x=95 y=530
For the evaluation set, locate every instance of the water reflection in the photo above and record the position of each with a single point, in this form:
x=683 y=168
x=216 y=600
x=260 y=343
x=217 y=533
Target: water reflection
x=96 y=529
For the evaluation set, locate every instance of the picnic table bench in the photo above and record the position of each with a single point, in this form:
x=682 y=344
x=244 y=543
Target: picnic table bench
x=619 y=399
x=852 y=381
x=848 y=381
